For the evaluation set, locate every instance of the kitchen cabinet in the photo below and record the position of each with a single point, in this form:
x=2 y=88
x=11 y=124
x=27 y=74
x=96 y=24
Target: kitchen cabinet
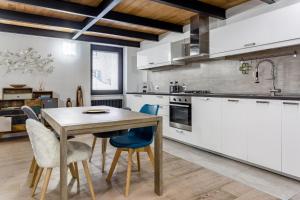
x=233 y=127
x=290 y=138
x=238 y=37
x=160 y=55
x=162 y=101
x=206 y=121
x=264 y=133
x=260 y=131
x=187 y=137
x=135 y=101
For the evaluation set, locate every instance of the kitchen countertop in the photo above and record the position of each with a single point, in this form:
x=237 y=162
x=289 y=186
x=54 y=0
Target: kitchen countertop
x=291 y=97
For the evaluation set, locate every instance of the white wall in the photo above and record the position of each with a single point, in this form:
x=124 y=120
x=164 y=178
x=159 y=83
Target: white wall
x=69 y=72
x=132 y=76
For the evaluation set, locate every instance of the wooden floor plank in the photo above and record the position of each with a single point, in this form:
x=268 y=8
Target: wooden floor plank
x=182 y=179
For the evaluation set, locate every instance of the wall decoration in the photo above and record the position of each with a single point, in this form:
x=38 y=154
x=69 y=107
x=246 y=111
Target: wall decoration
x=245 y=67
x=26 y=61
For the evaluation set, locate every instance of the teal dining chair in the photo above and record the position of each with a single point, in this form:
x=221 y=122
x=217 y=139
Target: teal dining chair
x=136 y=140
x=105 y=136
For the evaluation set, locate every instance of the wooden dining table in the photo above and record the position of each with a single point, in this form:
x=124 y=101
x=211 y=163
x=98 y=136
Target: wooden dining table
x=74 y=121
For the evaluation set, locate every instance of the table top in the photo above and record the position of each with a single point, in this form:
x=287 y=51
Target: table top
x=74 y=118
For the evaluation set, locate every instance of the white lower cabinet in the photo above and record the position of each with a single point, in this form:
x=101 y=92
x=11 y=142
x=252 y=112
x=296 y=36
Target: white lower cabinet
x=182 y=135
x=233 y=128
x=206 y=122
x=291 y=138
x=135 y=101
x=264 y=133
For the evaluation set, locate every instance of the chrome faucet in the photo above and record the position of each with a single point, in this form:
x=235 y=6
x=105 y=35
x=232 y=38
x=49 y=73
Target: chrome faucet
x=274 y=90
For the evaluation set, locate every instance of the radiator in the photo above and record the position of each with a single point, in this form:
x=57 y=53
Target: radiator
x=117 y=103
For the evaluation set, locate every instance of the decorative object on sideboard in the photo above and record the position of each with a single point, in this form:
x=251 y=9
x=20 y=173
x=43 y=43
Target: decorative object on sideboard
x=69 y=102
x=79 y=97
x=17 y=85
x=41 y=85
x=26 y=61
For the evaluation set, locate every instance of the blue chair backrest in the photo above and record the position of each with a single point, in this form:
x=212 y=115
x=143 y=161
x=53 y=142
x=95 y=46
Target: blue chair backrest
x=146 y=133
x=29 y=113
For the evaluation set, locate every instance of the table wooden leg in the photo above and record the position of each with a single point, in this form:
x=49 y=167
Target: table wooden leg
x=63 y=166
x=158 y=173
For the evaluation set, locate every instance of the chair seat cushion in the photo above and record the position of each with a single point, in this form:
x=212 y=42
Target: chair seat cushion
x=129 y=141
x=78 y=151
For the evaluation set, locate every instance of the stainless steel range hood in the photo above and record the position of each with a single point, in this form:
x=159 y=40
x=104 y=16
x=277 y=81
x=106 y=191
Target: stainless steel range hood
x=198 y=48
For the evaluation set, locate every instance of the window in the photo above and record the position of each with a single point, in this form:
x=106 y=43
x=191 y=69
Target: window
x=106 y=70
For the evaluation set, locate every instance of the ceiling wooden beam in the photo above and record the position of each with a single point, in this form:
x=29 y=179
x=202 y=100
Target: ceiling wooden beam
x=197 y=7
x=269 y=1
x=132 y=19
x=91 y=12
x=104 y=7
x=49 y=21
x=64 y=35
x=62 y=6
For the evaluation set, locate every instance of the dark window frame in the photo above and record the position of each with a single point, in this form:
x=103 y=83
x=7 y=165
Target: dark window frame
x=118 y=50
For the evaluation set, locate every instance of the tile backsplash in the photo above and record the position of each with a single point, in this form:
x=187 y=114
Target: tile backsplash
x=223 y=76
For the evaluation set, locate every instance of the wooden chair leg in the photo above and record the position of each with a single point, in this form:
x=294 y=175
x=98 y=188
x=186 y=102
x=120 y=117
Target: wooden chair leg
x=93 y=147
x=104 y=147
x=88 y=177
x=32 y=165
x=36 y=168
x=76 y=172
x=46 y=182
x=128 y=176
x=138 y=161
x=114 y=163
x=150 y=154
x=72 y=170
x=39 y=174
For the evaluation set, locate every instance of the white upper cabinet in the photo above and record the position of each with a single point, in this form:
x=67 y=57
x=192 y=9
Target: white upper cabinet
x=290 y=138
x=158 y=56
x=206 y=120
x=264 y=133
x=273 y=29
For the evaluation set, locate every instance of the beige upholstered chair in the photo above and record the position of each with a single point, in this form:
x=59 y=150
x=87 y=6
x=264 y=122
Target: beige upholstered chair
x=46 y=149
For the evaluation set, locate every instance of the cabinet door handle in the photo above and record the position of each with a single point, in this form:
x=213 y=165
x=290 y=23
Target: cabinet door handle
x=250 y=44
x=178 y=131
x=291 y=103
x=179 y=105
x=233 y=100
x=159 y=97
x=263 y=102
x=151 y=63
x=138 y=95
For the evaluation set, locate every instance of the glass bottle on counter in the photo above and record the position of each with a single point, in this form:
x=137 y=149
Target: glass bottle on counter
x=176 y=87
x=171 y=87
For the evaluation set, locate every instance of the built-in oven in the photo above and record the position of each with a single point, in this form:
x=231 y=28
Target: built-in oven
x=181 y=112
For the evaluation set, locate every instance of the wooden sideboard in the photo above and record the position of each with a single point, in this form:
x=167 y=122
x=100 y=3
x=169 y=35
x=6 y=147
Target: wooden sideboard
x=12 y=118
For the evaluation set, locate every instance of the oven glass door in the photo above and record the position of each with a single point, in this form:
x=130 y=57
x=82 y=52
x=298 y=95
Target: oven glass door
x=181 y=116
